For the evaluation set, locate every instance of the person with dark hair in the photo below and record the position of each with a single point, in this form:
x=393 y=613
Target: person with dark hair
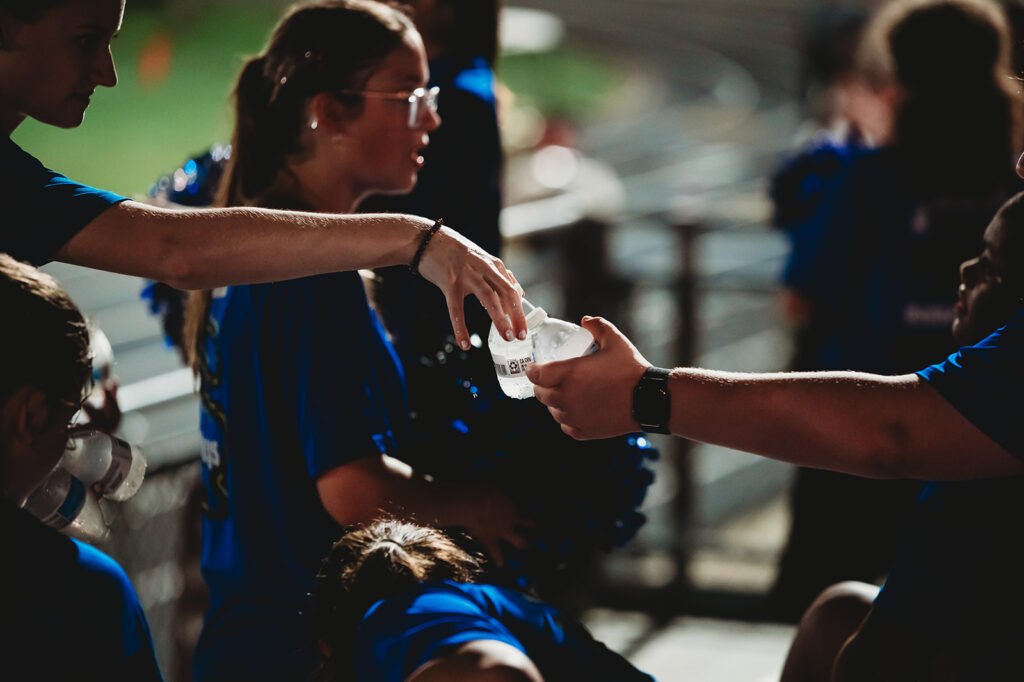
x=303 y=413
x=401 y=602
x=587 y=496
x=949 y=603
x=53 y=55
x=60 y=596
x=952 y=596
x=869 y=282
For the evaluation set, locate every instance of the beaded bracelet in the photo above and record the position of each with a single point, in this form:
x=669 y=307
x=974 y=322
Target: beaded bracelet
x=414 y=266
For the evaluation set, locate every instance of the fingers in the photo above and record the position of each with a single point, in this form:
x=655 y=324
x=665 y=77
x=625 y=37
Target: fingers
x=549 y=397
x=458 y=317
x=511 y=295
x=549 y=374
x=498 y=309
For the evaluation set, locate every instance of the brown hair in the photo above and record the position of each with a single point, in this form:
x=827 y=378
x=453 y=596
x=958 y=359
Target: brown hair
x=46 y=341
x=29 y=11
x=374 y=562
x=317 y=47
x=958 y=121
x=463 y=29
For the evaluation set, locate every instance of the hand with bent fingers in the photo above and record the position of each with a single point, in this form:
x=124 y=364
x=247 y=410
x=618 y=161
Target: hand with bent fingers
x=459 y=267
x=491 y=517
x=592 y=396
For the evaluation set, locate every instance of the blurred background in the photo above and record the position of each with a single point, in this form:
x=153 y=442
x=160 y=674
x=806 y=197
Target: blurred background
x=640 y=136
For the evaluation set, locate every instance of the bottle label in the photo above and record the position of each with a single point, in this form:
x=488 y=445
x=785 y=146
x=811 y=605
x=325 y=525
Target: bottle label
x=71 y=506
x=120 y=464
x=511 y=367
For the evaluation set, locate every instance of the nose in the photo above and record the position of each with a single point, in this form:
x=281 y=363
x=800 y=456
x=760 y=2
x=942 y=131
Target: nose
x=431 y=121
x=104 y=71
x=967 y=271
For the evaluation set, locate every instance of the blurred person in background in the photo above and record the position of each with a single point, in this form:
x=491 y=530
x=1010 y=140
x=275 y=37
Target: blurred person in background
x=461 y=176
x=69 y=611
x=400 y=602
x=876 y=243
x=950 y=603
x=304 y=418
x=53 y=55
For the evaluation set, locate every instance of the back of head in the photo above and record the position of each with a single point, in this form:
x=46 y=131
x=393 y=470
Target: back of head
x=325 y=46
x=1011 y=214
x=462 y=29
x=957 y=117
x=375 y=562
x=45 y=340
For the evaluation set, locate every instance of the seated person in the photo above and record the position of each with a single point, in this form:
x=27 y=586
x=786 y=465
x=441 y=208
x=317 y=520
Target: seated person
x=396 y=601
x=69 y=610
x=949 y=604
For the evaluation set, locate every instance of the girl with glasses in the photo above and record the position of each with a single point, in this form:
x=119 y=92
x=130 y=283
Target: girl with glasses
x=304 y=415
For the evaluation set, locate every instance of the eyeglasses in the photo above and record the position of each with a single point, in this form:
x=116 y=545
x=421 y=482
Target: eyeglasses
x=421 y=100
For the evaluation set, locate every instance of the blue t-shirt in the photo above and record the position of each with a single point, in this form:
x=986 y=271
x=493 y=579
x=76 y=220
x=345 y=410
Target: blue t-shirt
x=400 y=634
x=879 y=263
x=956 y=577
x=69 y=611
x=298 y=379
x=42 y=210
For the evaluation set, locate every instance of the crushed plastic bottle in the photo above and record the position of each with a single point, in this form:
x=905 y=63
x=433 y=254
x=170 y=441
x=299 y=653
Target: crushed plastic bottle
x=65 y=503
x=114 y=468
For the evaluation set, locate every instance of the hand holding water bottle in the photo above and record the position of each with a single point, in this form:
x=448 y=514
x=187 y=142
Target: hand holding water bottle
x=547 y=339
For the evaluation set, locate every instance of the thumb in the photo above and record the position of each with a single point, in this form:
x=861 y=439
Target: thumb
x=548 y=374
x=600 y=328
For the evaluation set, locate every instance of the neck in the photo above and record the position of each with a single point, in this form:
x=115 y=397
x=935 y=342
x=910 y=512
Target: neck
x=323 y=190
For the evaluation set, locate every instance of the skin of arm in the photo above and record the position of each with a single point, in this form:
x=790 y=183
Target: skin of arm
x=209 y=248
x=482 y=660
x=376 y=485
x=863 y=424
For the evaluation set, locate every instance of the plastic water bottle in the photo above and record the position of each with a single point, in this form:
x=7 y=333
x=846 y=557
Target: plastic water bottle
x=106 y=463
x=547 y=339
x=65 y=503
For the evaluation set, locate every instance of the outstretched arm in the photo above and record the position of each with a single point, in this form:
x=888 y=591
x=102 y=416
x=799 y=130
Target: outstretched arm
x=863 y=424
x=207 y=248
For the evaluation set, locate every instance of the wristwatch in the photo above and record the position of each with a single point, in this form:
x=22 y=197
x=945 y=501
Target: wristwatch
x=651 y=401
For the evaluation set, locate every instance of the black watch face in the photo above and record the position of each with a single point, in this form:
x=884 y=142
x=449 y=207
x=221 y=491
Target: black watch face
x=651 y=403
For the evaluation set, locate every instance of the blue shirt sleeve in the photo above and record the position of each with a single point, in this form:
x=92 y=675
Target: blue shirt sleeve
x=43 y=209
x=121 y=635
x=341 y=379
x=985 y=383
x=399 y=635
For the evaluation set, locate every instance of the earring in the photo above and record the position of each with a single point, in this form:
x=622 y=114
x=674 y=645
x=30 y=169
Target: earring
x=313 y=124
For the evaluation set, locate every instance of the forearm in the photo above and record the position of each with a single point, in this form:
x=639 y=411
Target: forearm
x=207 y=248
x=863 y=424
x=379 y=485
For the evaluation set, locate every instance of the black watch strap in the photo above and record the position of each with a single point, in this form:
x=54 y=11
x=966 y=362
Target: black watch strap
x=651 y=401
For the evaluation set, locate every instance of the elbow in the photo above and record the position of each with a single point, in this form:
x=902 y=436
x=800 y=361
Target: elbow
x=179 y=265
x=886 y=456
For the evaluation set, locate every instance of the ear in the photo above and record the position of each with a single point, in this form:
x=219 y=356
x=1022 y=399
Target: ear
x=25 y=414
x=330 y=115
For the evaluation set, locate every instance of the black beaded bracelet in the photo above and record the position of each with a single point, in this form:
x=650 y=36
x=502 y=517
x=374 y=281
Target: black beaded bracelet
x=414 y=266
